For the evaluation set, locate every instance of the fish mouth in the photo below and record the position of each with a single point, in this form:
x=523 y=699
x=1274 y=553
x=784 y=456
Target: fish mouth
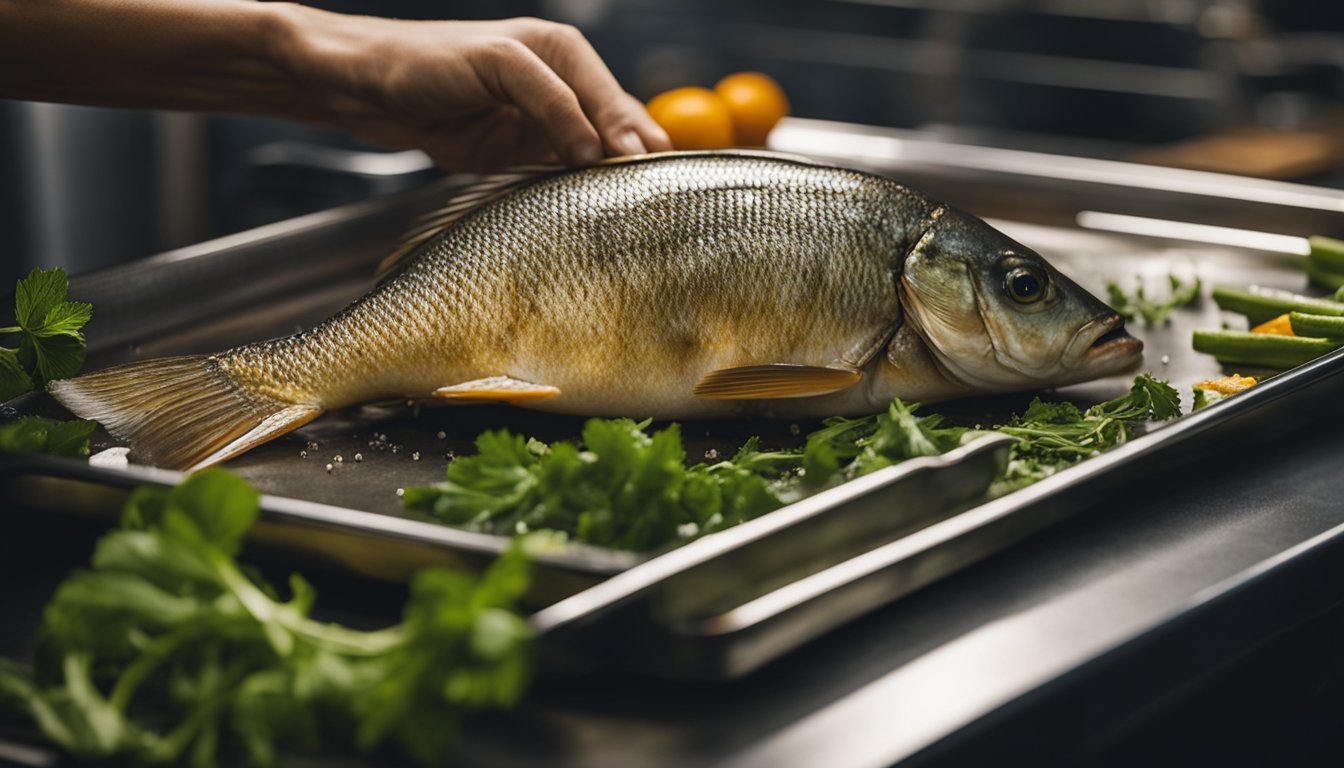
x=1104 y=343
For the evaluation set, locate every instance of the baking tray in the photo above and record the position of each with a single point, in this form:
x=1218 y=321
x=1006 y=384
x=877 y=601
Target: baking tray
x=728 y=603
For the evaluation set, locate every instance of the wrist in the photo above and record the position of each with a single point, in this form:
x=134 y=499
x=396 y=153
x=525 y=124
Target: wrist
x=323 y=56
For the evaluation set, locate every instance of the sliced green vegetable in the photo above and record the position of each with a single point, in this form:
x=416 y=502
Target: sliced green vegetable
x=1323 y=276
x=1317 y=325
x=1327 y=253
x=1262 y=350
x=1259 y=304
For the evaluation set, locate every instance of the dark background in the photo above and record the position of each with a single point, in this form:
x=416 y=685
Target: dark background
x=84 y=188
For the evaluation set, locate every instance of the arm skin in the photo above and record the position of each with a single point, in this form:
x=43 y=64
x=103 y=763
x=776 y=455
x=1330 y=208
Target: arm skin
x=474 y=95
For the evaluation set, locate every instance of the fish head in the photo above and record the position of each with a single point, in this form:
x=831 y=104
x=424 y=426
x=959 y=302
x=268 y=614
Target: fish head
x=997 y=317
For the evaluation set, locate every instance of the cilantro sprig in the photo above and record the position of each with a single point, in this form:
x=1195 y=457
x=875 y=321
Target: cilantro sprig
x=847 y=448
x=1153 y=311
x=1055 y=435
x=51 y=340
x=623 y=488
x=34 y=434
x=168 y=651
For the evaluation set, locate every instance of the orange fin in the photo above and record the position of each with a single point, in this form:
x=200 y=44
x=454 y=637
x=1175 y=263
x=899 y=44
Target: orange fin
x=494 y=389
x=180 y=412
x=753 y=382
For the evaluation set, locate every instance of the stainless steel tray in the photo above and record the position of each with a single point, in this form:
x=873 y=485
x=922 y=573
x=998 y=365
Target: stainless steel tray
x=728 y=603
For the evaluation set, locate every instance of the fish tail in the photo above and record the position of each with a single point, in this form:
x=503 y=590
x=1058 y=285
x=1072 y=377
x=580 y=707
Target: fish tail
x=182 y=413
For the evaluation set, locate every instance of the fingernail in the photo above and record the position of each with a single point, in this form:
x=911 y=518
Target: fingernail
x=586 y=153
x=628 y=143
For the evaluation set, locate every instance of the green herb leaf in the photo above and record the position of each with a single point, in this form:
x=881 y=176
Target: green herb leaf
x=624 y=489
x=48 y=358
x=1053 y=436
x=1153 y=311
x=37 y=295
x=34 y=434
x=51 y=342
x=14 y=380
x=166 y=652
x=66 y=318
x=221 y=506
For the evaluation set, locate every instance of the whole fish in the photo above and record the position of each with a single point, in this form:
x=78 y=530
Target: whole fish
x=673 y=285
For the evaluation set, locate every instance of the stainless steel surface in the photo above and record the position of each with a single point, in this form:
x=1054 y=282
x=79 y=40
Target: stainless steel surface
x=168 y=305
x=1044 y=188
x=759 y=560
x=1159 y=578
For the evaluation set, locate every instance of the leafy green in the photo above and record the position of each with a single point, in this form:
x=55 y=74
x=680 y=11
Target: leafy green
x=626 y=489
x=14 y=380
x=623 y=489
x=166 y=651
x=34 y=434
x=1153 y=311
x=51 y=340
x=848 y=448
x=1054 y=435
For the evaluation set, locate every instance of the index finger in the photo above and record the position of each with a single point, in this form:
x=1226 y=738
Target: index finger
x=621 y=120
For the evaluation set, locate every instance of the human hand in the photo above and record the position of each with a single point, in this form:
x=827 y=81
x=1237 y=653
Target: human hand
x=474 y=95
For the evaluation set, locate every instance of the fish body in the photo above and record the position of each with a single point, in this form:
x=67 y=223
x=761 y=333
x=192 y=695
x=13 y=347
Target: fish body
x=674 y=286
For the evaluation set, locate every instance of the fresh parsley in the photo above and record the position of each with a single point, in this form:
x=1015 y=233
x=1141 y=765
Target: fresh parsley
x=168 y=651
x=51 y=340
x=34 y=434
x=623 y=488
x=1054 y=435
x=1153 y=311
x=847 y=448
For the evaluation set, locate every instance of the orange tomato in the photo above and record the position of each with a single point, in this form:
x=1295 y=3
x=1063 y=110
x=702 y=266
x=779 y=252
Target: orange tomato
x=756 y=103
x=694 y=118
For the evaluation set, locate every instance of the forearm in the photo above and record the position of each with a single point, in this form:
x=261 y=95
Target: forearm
x=471 y=94
x=207 y=55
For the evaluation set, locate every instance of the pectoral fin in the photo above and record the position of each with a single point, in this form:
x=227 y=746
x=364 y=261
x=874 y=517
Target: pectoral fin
x=755 y=382
x=496 y=389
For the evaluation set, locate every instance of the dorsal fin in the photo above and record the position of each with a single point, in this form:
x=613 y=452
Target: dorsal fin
x=464 y=200
x=472 y=196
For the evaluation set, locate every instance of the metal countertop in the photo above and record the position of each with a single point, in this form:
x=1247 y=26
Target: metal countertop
x=1056 y=650
x=1053 y=649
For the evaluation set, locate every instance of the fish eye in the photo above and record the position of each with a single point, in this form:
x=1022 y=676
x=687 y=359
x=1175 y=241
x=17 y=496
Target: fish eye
x=1025 y=284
